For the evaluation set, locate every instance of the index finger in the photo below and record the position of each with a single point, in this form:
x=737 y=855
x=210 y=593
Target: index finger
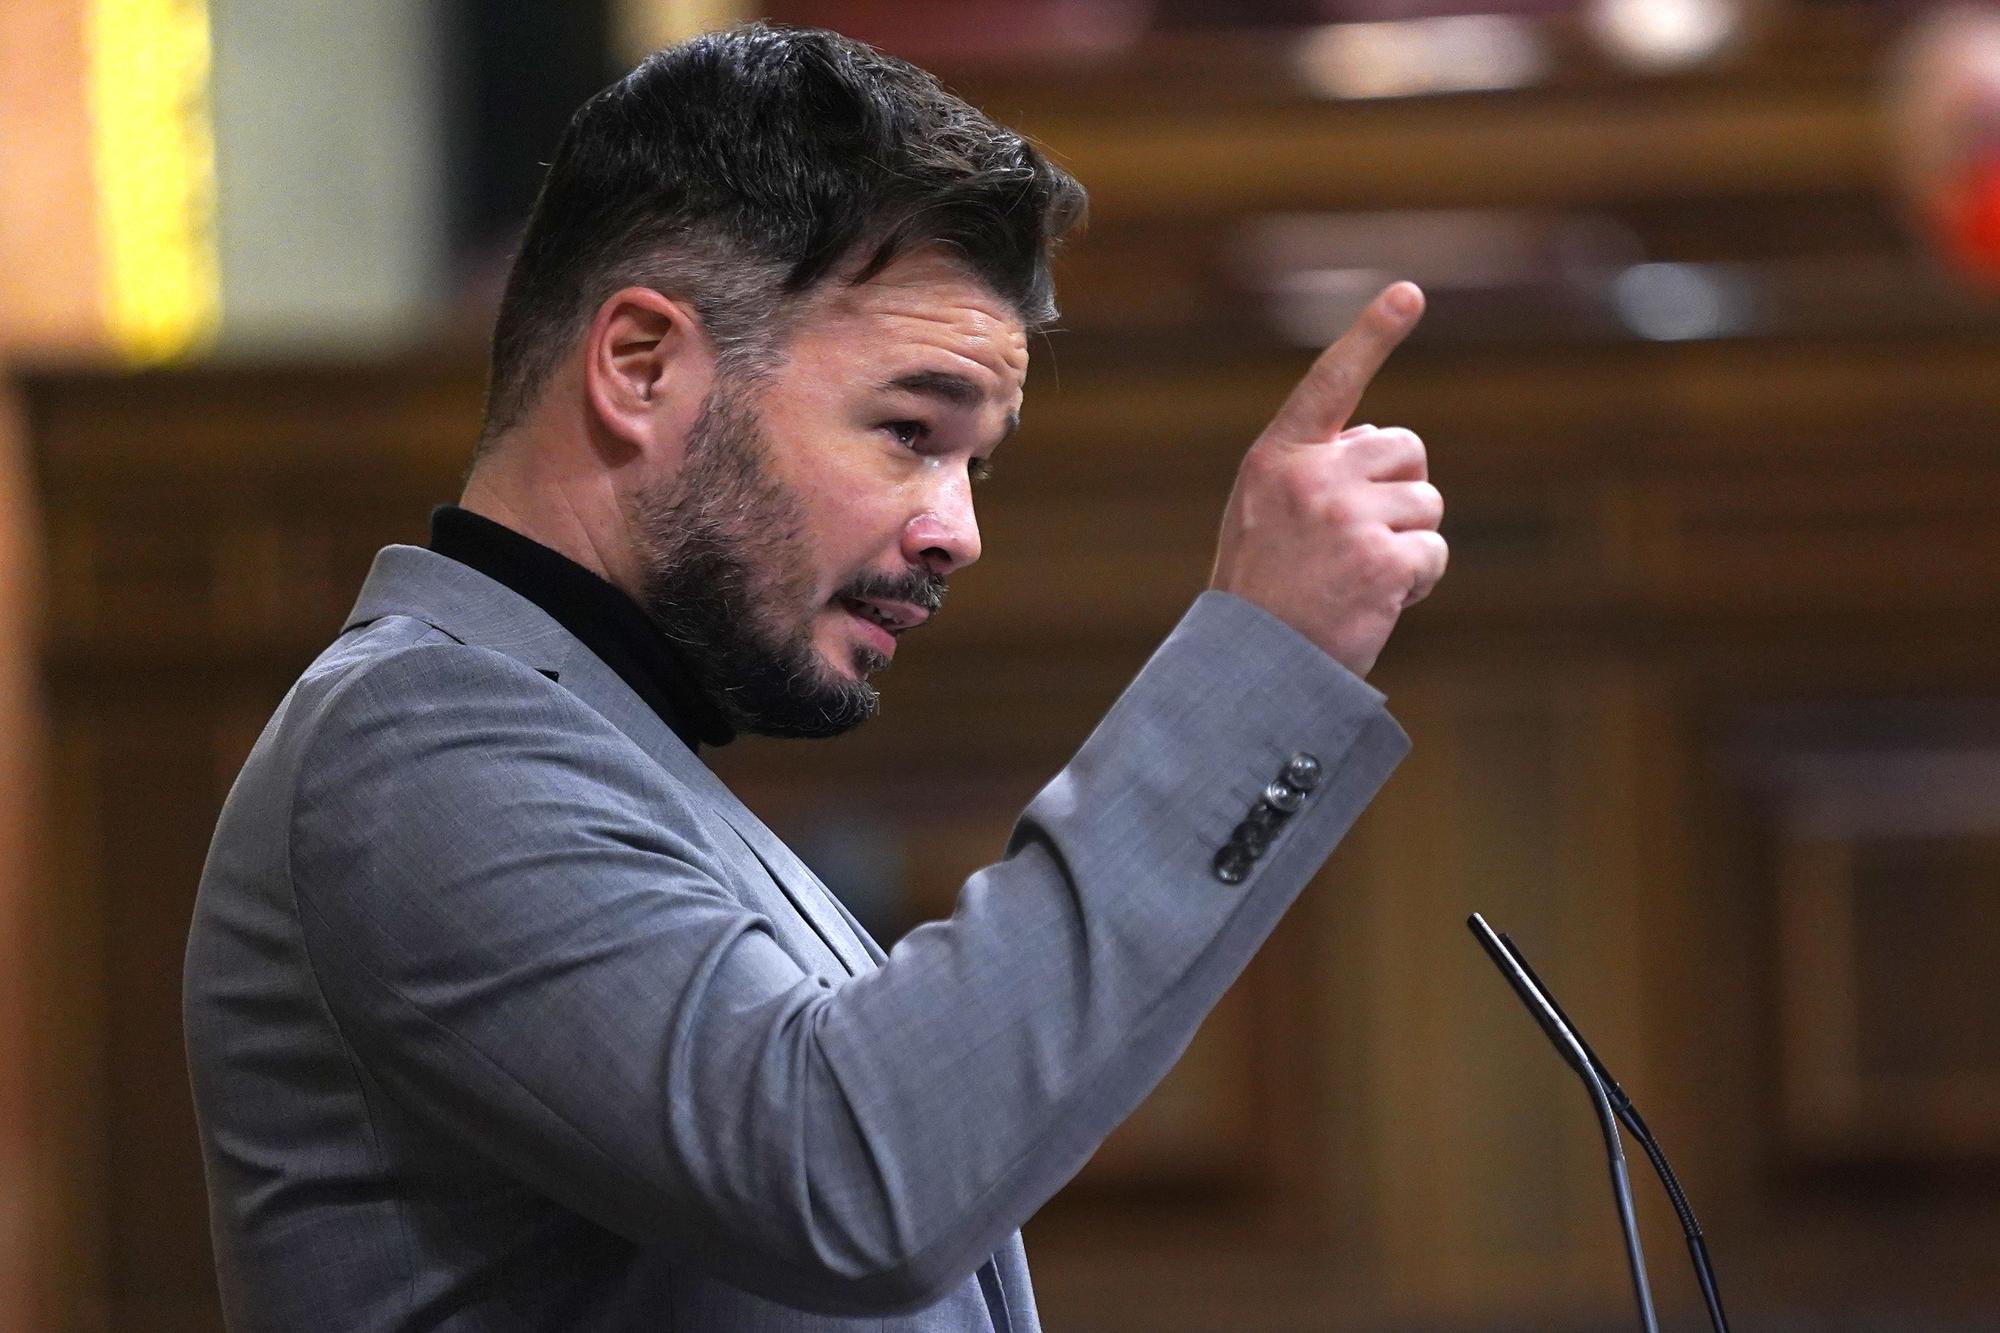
x=1330 y=391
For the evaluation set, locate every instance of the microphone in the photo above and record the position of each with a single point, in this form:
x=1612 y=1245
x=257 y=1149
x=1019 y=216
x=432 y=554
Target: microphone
x=1573 y=1052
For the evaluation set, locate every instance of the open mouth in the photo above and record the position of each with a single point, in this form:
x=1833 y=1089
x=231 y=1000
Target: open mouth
x=878 y=630
x=869 y=611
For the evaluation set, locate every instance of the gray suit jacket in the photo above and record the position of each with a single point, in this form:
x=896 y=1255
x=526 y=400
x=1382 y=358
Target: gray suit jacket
x=503 y=1013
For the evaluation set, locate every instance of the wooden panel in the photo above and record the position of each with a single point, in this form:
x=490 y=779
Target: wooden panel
x=1513 y=804
x=1890 y=1023
x=1797 y=540
x=1816 y=1159
x=1207 y=124
x=23 y=1193
x=156 y=779
x=65 y=972
x=1196 y=162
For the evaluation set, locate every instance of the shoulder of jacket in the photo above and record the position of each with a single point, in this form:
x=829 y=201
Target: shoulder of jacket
x=400 y=673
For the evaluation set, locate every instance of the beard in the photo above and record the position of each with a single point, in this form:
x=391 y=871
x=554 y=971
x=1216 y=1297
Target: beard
x=728 y=578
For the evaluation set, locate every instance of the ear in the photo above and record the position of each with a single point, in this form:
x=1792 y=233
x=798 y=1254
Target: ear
x=647 y=365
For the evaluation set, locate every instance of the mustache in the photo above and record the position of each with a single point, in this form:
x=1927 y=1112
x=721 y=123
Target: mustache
x=925 y=590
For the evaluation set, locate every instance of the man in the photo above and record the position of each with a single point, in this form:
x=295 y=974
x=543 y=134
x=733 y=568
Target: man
x=502 y=1012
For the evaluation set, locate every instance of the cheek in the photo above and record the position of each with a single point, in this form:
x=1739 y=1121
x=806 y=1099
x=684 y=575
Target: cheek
x=854 y=498
x=853 y=520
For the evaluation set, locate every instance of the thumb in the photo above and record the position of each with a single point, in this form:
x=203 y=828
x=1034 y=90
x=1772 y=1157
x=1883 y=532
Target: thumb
x=1331 y=389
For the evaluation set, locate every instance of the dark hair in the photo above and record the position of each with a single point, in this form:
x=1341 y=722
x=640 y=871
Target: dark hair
x=740 y=169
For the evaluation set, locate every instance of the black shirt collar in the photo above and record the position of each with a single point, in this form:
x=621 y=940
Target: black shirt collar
x=608 y=622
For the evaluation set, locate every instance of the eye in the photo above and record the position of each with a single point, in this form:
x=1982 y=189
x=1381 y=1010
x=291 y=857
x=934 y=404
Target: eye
x=909 y=434
x=979 y=469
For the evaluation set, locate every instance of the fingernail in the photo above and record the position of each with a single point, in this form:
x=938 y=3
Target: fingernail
x=1404 y=300
x=1355 y=430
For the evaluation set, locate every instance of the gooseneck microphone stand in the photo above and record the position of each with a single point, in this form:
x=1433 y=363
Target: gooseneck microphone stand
x=1570 y=1044
x=1573 y=1053
x=1704 y=1272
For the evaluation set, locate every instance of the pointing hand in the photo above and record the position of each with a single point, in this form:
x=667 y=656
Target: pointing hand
x=1332 y=528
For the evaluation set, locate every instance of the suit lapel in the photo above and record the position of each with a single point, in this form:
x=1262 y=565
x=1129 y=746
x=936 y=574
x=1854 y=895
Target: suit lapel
x=601 y=688
x=472 y=608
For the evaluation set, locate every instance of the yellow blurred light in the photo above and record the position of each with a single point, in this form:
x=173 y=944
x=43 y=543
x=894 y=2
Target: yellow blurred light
x=154 y=151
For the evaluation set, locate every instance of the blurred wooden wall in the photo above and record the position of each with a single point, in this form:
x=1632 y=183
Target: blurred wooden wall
x=1703 y=717
x=1649 y=603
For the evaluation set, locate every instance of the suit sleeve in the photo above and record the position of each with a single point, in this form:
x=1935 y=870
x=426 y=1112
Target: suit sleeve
x=526 y=940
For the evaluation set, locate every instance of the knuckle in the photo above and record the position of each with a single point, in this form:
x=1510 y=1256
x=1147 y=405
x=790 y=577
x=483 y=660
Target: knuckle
x=1412 y=554
x=1430 y=500
x=1332 y=509
x=1332 y=503
x=1406 y=444
x=1375 y=546
x=1432 y=558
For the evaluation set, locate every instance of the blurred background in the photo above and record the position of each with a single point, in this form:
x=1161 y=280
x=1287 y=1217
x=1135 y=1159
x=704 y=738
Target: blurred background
x=1707 y=715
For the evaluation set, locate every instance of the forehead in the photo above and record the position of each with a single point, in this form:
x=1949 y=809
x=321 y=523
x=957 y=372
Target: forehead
x=924 y=312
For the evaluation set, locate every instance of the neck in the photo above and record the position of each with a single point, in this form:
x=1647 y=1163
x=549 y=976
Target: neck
x=577 y=514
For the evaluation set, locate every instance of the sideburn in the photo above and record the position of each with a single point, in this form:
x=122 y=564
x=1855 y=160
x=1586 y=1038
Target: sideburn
x=723 y=547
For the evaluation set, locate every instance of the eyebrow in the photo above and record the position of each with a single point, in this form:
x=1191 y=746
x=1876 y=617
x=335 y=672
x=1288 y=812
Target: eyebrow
x=946 y=387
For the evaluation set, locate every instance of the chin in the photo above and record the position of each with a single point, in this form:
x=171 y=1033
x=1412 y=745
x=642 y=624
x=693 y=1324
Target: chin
x=845 y=660
x=851 y=665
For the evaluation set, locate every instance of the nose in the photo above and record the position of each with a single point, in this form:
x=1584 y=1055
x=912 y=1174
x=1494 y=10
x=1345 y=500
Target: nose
x=944 y=538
